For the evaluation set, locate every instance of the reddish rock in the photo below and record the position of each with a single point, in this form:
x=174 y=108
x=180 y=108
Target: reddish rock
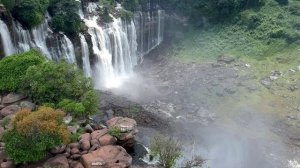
x=107 y=157
x=107 y=140
x=127 y=126
x=7 y=164
x=86 y=136
x=12 y=98
x=9 y=110
x=74 y=151
x=75 y=156
x=94 y=142
x=85 y=145
x=94 y=147
x=75 y=164
x=3 y=156
x=74 y=145
x=58 y=161
x=99 y=133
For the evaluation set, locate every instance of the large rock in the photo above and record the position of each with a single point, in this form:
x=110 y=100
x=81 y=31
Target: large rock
x=107 y=140
x=97 y=134
x=12 y=98
x=9 y=110
x=58 y=149
x=28 y=105
x=58 y=161
x=127 y=126
x=107 y=157
x=7 y=164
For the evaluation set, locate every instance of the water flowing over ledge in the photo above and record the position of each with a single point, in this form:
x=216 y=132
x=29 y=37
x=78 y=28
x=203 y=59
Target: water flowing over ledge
x=105 y=52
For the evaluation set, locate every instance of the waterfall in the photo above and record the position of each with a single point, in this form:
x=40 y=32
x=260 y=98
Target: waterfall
x=24 y=42
x=85 y=56
x=40 y=34
x=67 y=50
x=6 y=39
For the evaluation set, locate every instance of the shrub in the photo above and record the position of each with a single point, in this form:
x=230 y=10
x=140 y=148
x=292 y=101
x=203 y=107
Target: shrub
x=34 y=133
x=90 y=101
x=71 y=106
x=52 y=82
x=13 y=69
x=168 y=150
x=116 y=132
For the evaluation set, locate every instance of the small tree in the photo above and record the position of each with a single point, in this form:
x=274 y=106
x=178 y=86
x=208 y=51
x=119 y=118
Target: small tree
x=167 y=149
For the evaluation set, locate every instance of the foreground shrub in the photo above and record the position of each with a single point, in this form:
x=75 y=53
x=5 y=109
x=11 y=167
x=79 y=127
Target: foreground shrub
x=168 y=150
x=34 y=133
x=13 y=69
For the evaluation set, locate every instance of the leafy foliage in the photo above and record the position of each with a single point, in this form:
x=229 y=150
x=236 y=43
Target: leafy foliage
x=115 y=131
x=29 y=12
x=167 y=149
x=34 y=133
x=52 y=82
x=65 y=17
x=14 y=67
x=71 y=106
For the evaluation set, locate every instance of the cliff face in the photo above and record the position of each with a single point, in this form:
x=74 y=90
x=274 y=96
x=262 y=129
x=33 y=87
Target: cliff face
x=104 y=51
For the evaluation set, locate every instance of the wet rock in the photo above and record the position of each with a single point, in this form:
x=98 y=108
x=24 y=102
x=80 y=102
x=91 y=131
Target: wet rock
x=28 y=105
x=9 y=110
x=107 y=156
x=12 y=98
x=107 y=140
x=57 y=161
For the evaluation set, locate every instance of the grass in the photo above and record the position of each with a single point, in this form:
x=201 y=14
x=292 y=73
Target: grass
x=257 y=34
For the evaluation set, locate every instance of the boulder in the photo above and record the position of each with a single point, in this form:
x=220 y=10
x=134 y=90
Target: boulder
x=127 y=126
x=107 y=157
x=97 y=134
x=76 y=164
x=86 y=136
x=75 y=151
x=9 y=110
x=85 y=145
x=74 y=145
x=12 y=98
x=57 y=161
x=3 y=156
x=28 y=105
x=107 y=140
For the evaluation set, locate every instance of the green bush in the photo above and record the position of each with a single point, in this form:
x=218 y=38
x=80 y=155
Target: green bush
x=25 y=149
x=71 y=106
x=34 y=133
x=167 y=149
x=90 y=101
x=9 y=4
x=52 y=82
x=64 y=16
x=30 y=12
x=13 y=69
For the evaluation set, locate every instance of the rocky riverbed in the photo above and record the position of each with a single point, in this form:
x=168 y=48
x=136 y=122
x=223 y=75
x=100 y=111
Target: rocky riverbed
x=222 y=110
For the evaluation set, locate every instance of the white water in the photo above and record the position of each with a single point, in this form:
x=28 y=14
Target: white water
x=6 y=39
x=86 y=66
x=67 y=50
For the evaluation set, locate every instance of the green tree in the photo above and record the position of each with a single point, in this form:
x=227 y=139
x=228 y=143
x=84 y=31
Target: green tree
x=13 y=69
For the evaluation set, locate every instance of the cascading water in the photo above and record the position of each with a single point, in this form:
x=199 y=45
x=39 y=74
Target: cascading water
x=6 y=39
x=86 y=66
x=116 y=47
